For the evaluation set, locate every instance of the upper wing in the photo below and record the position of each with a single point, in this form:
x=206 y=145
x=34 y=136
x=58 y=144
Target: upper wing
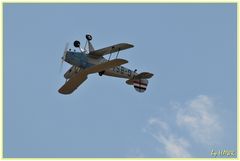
x=81 y=76
x=111 y=49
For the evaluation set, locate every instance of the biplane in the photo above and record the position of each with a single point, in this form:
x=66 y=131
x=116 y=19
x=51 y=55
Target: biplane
x=88 y=61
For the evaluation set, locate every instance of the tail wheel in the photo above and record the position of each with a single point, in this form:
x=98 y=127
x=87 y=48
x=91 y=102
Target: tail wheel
x=101 y=73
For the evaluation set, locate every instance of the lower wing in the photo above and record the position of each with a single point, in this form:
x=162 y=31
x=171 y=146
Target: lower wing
x=74 y=82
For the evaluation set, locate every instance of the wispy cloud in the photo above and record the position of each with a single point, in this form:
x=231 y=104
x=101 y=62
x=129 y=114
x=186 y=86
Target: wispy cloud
x=174 y=146
x=196 y=117
x=199 y=117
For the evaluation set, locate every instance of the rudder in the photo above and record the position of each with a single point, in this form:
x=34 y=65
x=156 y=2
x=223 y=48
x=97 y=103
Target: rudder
x=140 y=85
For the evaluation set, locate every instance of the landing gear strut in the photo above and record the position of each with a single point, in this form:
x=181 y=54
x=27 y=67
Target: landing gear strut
x=101 y=73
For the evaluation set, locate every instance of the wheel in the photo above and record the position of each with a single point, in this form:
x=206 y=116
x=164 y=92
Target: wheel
x=101 y=73
x=76 y=43
x=89 y=37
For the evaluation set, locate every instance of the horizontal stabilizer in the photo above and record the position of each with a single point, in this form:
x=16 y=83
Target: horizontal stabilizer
x=140 y=81
x=143 y=75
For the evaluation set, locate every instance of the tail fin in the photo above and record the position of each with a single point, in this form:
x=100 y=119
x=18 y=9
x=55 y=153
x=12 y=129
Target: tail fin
x=140 y=81
x=140 y=85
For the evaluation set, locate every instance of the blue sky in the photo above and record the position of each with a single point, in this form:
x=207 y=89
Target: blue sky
x=188 y=110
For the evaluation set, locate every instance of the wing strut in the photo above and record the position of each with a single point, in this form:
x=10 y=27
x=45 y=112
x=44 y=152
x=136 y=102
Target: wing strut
x=109 y=56
x=117 y=53
x=111 y=53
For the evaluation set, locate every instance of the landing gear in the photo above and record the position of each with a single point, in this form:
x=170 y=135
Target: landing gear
x=88 y=37
x=76 y=44
x=101 y=73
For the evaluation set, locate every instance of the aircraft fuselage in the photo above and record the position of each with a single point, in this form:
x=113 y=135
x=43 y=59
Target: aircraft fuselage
x=83 y=61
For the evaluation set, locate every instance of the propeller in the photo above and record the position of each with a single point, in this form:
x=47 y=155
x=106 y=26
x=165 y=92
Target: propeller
x=64 y=56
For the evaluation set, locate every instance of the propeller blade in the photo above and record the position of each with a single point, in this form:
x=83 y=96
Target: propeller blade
x=64 y=56
x=61 y=66
x=65 y=52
